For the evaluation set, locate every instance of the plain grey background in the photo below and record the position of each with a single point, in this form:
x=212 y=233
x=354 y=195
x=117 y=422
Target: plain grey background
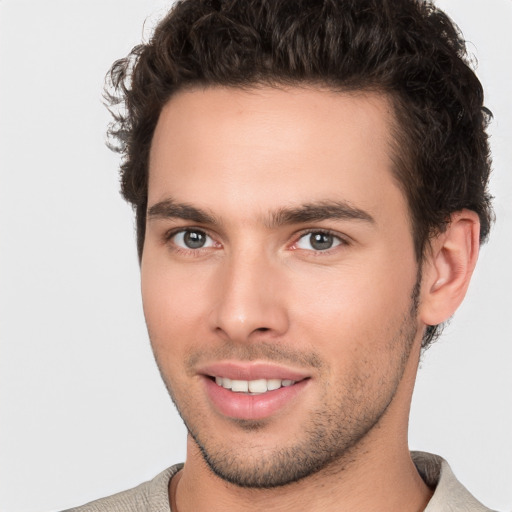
x=83 y=413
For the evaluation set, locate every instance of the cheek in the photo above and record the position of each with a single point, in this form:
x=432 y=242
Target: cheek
x=355 y=306
x=173 y=301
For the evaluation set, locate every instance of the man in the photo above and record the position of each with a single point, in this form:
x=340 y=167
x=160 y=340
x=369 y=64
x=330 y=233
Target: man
x=310 y=187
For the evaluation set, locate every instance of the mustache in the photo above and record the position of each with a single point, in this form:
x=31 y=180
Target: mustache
x=270 y=352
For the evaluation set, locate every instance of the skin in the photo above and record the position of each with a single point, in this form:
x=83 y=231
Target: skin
x=258 y=291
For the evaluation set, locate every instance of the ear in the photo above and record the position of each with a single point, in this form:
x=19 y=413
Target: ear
x=448 y=267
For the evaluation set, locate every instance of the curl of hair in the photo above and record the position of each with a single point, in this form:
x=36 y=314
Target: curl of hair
x=406 y=49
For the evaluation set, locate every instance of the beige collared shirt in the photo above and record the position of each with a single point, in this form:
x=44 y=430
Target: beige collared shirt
x=153 y=496
x=449 y=494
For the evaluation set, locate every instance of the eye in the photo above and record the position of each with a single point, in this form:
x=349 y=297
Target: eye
x=192 y=239
x=318 y=241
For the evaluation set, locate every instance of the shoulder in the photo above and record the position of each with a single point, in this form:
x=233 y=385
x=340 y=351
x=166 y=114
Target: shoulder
x=449 y=494
x=151 y=496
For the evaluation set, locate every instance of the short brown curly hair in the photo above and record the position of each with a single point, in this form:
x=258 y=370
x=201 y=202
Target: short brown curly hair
x=407 y=49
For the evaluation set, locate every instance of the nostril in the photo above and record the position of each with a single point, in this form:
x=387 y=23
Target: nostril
x=263 y=329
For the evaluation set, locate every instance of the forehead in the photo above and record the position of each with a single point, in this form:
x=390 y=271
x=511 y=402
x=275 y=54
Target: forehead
x=273 y=145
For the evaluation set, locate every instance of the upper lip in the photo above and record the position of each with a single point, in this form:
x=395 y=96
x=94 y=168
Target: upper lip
x=237 y=370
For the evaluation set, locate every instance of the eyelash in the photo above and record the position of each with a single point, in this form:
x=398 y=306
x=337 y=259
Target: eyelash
x=342 y=241
x=168 y=236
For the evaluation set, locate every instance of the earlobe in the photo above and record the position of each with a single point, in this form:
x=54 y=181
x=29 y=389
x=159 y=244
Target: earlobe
x=447 y=270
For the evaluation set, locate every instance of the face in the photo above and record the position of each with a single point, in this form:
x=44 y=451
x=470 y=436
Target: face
x=277 y=276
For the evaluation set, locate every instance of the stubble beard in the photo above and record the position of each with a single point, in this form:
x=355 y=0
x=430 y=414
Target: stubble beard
x=330 y=438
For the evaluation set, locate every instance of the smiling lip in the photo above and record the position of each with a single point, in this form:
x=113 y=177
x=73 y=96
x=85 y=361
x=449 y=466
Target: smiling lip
x=244 y=405
x=251 y=371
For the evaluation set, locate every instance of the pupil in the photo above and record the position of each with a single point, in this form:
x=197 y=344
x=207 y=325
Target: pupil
x=194 y=239
x=321 y=241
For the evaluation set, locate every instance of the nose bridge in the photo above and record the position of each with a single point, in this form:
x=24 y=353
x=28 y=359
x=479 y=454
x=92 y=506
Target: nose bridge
x=249 y=296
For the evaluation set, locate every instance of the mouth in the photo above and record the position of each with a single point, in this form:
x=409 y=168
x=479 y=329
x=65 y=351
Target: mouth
x=252 y=387
x=252 y=391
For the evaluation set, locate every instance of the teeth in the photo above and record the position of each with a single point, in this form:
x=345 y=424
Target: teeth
x=240 y=386
x=273 y=384
x=258 y=386
x=253 y=386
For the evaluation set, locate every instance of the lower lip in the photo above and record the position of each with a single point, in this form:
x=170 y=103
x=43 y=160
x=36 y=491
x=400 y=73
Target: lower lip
x=251 y=407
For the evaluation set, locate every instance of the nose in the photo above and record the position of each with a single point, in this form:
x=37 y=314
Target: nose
x=251 y=298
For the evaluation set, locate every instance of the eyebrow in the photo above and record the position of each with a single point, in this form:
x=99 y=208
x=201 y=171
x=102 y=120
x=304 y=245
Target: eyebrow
x=309 y=212
x=315 y=212
x=170 y=209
